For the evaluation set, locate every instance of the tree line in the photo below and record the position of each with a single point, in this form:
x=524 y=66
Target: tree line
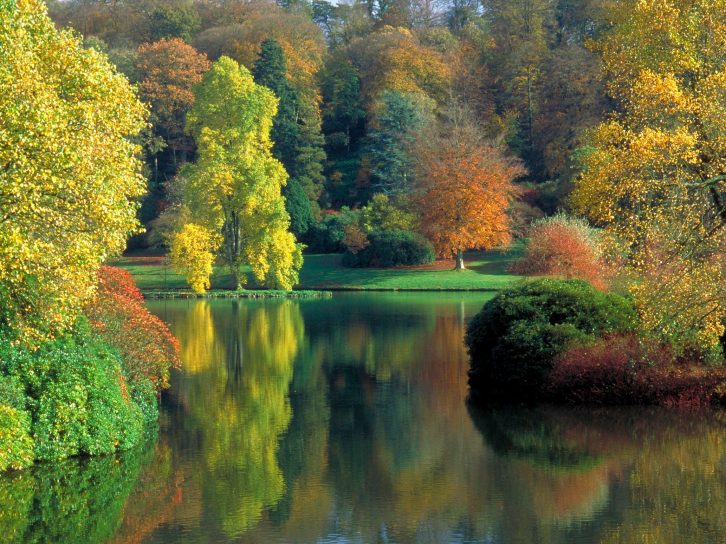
x=464 y=121
x=358 y=77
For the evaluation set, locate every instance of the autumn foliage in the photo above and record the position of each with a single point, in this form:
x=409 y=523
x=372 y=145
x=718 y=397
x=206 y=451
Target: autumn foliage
x=70 y=175
x=625 y=369
x=169 y=69
x=653 y=175
x=465 y=186
x=118 y=314
x=565 y=247
x=394 y=59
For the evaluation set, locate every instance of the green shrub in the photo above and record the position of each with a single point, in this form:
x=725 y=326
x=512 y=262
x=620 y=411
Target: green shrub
x=392 y=248
x=76 y=395
x=327 y=236
x=513 y=340
x=16 y=446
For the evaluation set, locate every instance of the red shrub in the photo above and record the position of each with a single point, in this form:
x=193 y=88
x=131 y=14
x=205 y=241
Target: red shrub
x=144 y=341
x=118 y=281
x=565 y=247
x=628 y=370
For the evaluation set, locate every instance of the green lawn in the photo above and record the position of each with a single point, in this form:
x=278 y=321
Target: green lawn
x=486 y=271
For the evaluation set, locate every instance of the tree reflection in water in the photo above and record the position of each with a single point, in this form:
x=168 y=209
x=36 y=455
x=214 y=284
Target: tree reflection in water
x=345 y=419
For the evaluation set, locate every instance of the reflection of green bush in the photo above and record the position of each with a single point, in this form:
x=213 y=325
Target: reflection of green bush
x=16 y=445
x=74 y=501
x=530 y=436
x=74 y=391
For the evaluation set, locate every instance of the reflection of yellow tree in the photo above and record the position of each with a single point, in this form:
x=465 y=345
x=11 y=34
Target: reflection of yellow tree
x=399 y=453
x=677 y=488
x=242 y=404
x=199 y=348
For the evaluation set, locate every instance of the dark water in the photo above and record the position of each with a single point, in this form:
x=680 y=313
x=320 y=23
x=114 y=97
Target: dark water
x=345 y=421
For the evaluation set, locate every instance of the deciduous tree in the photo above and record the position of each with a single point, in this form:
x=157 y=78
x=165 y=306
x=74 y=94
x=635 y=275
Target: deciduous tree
x=69 y=174
x=520 y=32
x=168 y=70
x=465 y=186
x=394 y=59
x=656 y=174
x=233 y=192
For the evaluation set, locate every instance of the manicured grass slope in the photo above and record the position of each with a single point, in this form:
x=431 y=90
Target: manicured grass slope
x=486 y=271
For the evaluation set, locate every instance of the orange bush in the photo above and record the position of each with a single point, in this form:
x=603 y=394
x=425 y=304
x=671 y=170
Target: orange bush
x=118 y=314
x=565 y=247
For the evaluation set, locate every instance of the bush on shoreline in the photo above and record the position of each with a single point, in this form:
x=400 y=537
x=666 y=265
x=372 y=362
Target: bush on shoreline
x=515 y=338
x=145 y=343
x=75 y=396
x=90 y=391
x=563 y=341
x=392 y=248
x=625 y=369
x=564 y=246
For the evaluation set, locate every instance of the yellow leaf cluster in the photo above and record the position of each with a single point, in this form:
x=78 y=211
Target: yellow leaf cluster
x=69 y=173
x=655 y=175
x=192 y=254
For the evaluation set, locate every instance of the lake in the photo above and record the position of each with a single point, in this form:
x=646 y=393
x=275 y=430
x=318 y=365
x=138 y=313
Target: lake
x=345 y=420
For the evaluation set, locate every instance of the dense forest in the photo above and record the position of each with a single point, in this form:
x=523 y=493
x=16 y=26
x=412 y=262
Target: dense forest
x=408 y=128
x=357 y=81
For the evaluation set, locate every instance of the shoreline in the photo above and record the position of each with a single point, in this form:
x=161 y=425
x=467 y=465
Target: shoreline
x=151 y=294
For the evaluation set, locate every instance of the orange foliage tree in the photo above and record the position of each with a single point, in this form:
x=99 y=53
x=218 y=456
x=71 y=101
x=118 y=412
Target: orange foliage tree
x=464 y=188
x=301 y=40
x=146 y=345
x=168 y=70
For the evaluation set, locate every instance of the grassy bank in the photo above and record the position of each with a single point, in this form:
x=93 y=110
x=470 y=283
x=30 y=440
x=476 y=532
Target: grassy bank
x=487 y=271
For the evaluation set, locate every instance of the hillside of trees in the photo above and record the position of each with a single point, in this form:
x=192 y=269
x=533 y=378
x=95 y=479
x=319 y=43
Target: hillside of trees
x=357 y=81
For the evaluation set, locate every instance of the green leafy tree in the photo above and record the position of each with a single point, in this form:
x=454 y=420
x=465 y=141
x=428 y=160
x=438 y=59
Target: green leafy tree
x=343 y=111
x=298 y=206
x=174 y=22
x=69 y=174
x=269 y=70
x=298 y=142
x=234 y=190
x=383 y=214
x=398 y=116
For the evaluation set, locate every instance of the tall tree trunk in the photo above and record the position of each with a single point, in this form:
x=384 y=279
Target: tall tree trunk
x=530 y=113
x=236 y=278
x=459 y=261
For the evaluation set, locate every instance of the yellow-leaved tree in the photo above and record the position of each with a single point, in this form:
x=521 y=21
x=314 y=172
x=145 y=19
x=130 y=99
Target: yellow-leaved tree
x=655 y=176
x=232 y=205
x=69 y=174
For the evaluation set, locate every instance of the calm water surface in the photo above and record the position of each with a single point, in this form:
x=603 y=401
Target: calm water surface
x=345 y=421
